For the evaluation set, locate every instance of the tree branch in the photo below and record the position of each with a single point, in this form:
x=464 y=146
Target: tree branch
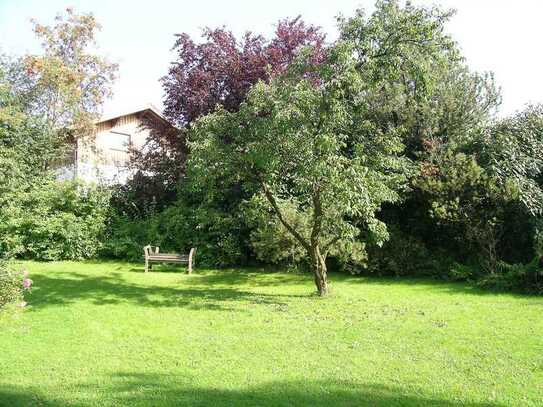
x=317 y=217
x=279 y=214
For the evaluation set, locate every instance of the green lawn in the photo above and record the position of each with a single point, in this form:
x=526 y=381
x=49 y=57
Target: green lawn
x=106 y=334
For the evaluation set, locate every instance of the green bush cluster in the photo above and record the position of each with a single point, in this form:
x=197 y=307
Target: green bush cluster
x=406 y=255
x=11 y=289
x=12 y=286
x=54 y=221
x=470 y=206
x=527 y=278
x=40 y=217
x=220 y=238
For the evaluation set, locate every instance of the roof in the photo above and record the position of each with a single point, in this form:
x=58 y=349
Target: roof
x=136 y=109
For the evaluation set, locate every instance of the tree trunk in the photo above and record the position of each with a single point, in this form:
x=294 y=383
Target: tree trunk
x=318 y=266
x=318 y=261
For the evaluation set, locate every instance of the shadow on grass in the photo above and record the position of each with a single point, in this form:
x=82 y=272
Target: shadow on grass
x=166 y=390
x=436 y=285
x=161 y=268
x=205 y=290
x=209 y=292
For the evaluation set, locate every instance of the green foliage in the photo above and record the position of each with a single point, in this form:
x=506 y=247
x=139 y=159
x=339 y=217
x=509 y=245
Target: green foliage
x=67 y=83
x=322 y=155
x=416 y=79
x=538 y=237
x=44 y=101
x=300 y=143
x=271 y=242
x=11 y=287
x=527 y=278
x=463 y=272
x=126 y=238
x=512 y=149
x=406 y=255
x=53 y=220
x=211 y=218
x=218 y=238
x=27 y=147
x=463 y=193
x=362 y=151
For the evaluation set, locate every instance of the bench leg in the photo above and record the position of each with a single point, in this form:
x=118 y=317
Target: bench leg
x=190 y=267
x=146 y=266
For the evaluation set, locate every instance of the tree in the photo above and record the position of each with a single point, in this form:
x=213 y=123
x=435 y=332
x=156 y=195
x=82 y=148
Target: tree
x=218 y=71
x=416 y=75
x=418 y=83
x=512 y=149
x=27 y=146
x=221 y=70
x=67 y=84
x=464 y=194
x=290 y=138
x=44 y=101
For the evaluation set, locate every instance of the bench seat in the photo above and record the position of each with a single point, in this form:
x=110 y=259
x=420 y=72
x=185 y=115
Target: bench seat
x=153 y=255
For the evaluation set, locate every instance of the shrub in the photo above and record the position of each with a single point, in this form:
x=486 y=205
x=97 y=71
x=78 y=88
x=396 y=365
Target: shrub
x=270 y=241
x=468 y=196
x=54 y=221
x=219 y=237
x=12 y=286
x=126 y=238
x=527 y=278
x=463 y=272
x=406 y=255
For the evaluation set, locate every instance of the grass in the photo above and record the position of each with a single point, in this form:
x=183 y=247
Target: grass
x=106 y=334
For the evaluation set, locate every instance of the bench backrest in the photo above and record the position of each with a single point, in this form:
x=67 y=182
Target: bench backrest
x=149 y=250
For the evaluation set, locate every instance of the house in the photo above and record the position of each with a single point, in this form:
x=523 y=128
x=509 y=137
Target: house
x=104 y=157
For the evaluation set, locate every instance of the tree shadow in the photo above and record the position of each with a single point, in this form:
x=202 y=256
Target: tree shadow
x=436 y=285
x=139 y=389
x=206 y=293
x=161 y=268
x=253 y=276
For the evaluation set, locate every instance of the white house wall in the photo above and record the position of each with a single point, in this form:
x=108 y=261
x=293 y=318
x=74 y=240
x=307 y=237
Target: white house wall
x=103 y=158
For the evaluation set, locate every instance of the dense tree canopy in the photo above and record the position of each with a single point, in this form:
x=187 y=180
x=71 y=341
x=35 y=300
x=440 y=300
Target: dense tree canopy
x=221 y=70
x=318 y=138
x=393 y=88
x=45 y=101
x=348 y=155
x=67 y=83
x=218 y=71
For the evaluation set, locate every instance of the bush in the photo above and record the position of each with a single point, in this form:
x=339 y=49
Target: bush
x=54 y=221
x=126 y=238
x=218 y=237
x=12 y=286
x=526 y=278
x=270 y=241
x=464 y=272
x=405 y=255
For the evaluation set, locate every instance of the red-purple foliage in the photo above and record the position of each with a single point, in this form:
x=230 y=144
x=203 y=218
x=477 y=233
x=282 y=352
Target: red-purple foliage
x=222 y=69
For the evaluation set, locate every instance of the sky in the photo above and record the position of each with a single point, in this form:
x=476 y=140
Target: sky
x=503 y=36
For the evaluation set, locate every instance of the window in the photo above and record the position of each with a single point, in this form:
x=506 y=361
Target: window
x=115 y=146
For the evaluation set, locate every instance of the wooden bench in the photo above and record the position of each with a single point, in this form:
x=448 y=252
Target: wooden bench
x=153 y=255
